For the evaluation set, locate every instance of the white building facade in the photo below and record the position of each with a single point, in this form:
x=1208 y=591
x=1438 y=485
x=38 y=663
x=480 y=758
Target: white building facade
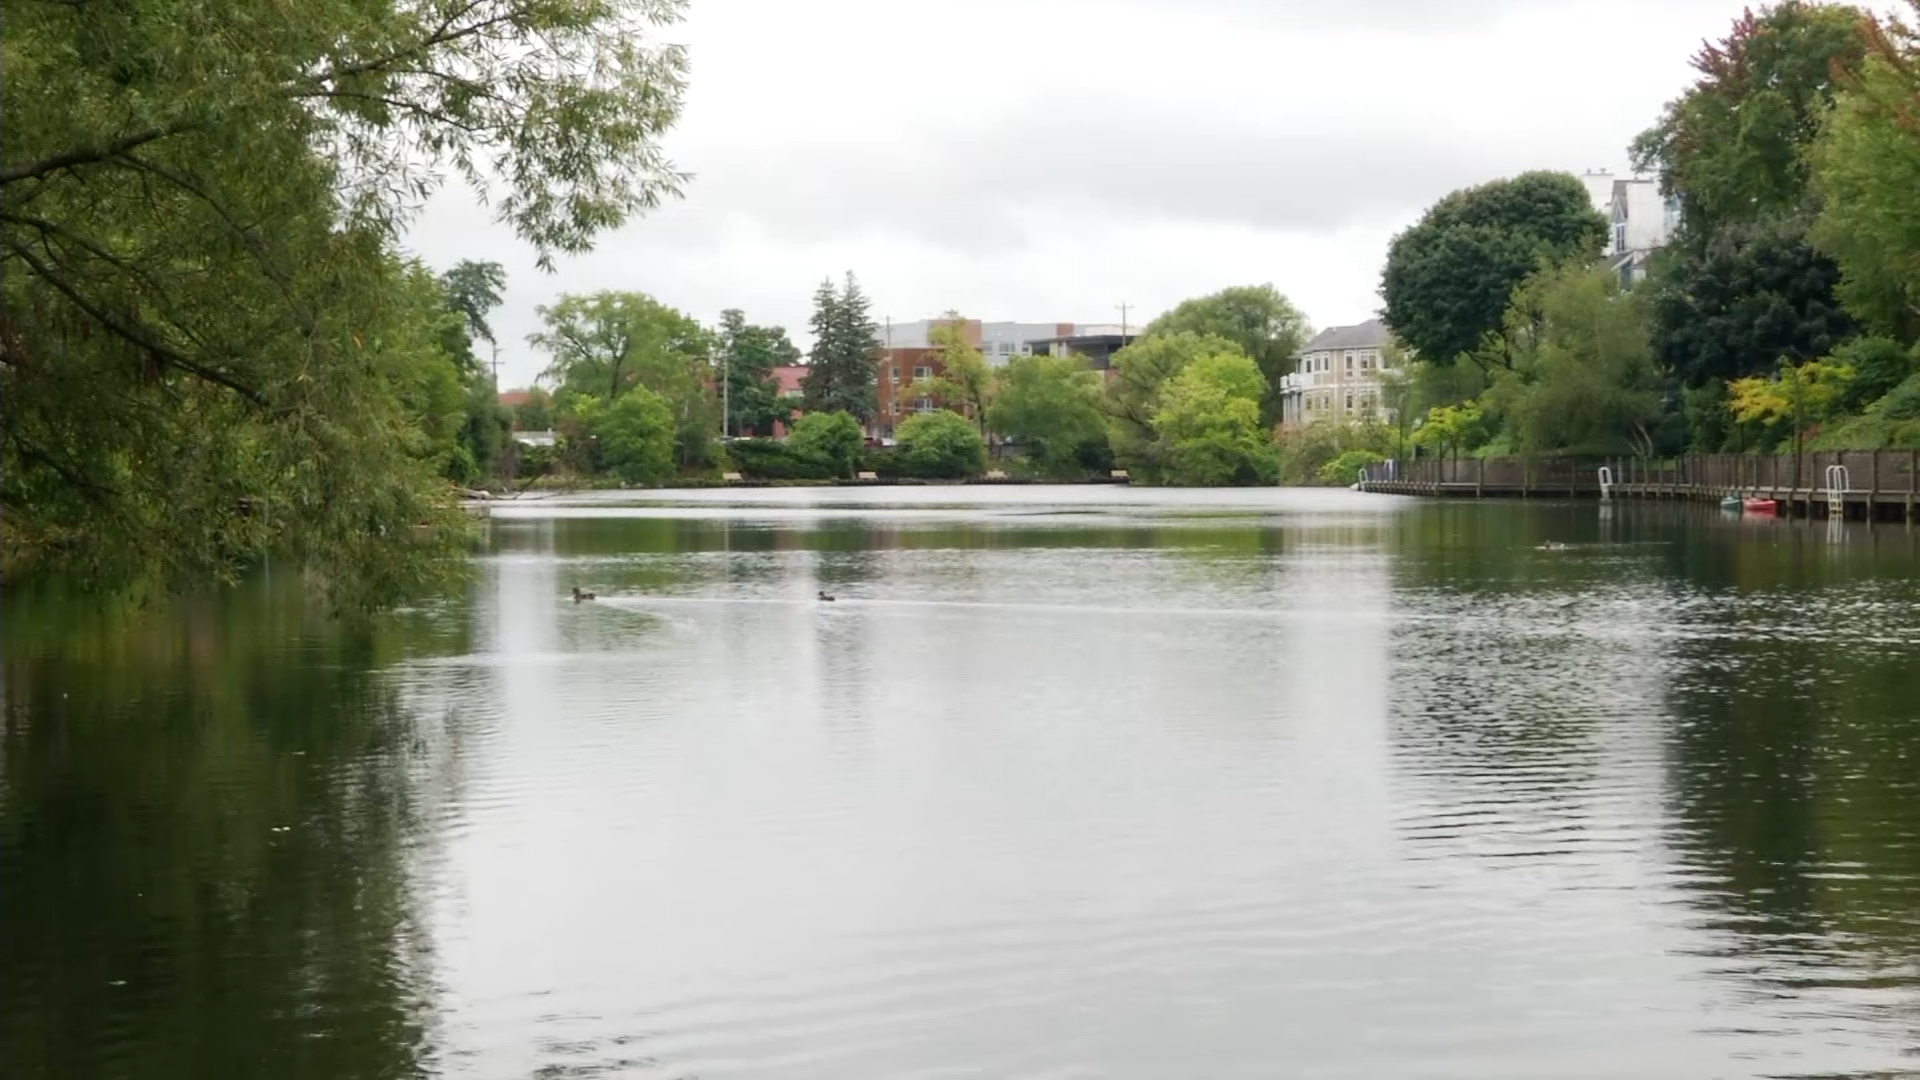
x=1339 y=376
x=1640 y=220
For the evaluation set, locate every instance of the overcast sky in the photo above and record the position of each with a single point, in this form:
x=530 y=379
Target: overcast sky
x=1047 y=160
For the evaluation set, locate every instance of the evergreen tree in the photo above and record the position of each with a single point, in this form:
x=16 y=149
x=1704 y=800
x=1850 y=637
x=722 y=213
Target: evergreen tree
x=840 y=370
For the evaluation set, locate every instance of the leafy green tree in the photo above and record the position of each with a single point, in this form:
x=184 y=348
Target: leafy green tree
x=841 y=373
x=211 y=349
x=1265 y=325
x=1051 y=404
x=748 y=354
x=941 y=444
x=1132 y=397
x=963 y=381
x=1582 y=378
x=634 y=433
x=1754 y=292
x=609 y=342
x=1449 y=278
x=473 y=290
x=1345 y=469
x=1449 y=429
x=1866 y=168
x=1732 y=148
x=1742 y=285
x=1208 y=428
x=536 y=413
x=832 y=438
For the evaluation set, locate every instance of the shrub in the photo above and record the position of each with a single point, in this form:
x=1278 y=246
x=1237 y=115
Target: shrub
x=635 y=436
x=1345 y=469
x=832 y=438
x=1878 y=364
x=769 y=459
x=940 y=445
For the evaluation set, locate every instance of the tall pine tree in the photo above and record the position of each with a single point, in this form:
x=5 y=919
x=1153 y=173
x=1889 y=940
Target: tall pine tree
x=840 y=369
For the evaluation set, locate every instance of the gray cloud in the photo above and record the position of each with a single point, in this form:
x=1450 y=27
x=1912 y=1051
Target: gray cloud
x=1068 y=162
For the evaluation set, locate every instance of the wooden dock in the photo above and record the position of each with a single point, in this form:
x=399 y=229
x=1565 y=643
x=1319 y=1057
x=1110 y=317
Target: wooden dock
x=1871 y=485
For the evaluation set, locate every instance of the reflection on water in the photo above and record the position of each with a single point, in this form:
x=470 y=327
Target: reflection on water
x=1066 y=782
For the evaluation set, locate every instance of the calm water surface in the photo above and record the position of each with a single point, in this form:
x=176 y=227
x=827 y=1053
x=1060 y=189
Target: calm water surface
x=1066 y=783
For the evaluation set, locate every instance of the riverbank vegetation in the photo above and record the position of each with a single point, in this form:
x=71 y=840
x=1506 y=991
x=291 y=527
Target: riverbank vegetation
x=213 y=347
x=1784 y=313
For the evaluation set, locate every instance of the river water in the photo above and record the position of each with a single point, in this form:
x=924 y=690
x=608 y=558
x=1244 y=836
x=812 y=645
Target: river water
x=1068 y=782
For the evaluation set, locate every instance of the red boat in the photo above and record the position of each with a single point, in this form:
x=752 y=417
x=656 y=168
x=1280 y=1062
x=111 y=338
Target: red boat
x=1768 y=507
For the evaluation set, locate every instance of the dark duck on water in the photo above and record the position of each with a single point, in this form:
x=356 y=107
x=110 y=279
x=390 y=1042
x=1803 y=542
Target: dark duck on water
x=578 y=595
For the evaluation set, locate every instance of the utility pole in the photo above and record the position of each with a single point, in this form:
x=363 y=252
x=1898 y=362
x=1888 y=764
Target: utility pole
x=1123 y=318
x=726 y=391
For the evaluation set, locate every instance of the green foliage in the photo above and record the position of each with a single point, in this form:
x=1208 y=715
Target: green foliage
x=1307 y=453
x=1052 y=405
x=536 y=413
x=1579 y=377
x=1866 y=168
x=963 y=381
x=1903 y=401
x=608 y=343
x=210 y=349
x=941 y=445
x=1449 y=278
x=1451 y=429
x=483 y=434
x=634 y=434
x=830 y=438
x=1132 y=396
x=748 y=354
x=771 y=459
x=1878 y=365
x=1732 y=148
x=1207 y=425
x=1345 y=469
x=473 y=290
x=1263 y=323
x=841 y=372
x=1749 y=295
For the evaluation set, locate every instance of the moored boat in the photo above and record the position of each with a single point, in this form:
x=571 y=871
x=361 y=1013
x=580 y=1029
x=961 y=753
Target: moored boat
x=1760 y=506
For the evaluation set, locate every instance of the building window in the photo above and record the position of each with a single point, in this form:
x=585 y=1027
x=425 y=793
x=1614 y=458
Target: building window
x=1620 y=236
x=923 y=405
x=922 y=371
x=1349 y=401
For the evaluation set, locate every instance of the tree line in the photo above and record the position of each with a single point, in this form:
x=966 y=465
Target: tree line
x=643 y=393
x=1784 y=313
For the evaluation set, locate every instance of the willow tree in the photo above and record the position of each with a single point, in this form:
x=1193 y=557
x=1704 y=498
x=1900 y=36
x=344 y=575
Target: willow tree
x=210 y=349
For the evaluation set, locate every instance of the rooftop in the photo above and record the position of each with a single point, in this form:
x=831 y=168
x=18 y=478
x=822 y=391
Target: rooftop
x=1372 y=334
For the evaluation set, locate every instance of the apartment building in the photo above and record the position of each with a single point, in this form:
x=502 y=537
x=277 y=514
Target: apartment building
x=908 y=353
x=1337 y=376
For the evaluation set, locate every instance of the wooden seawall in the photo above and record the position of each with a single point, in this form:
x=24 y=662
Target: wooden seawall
x=1874 y=485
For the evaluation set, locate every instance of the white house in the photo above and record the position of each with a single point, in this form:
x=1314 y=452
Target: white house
x=1338 y=376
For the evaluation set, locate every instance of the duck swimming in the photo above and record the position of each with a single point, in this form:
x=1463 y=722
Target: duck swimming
x=824 y=595
x=579 y=595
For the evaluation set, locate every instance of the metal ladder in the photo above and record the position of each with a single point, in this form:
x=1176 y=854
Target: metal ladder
x=1606 y=483
x=1838 y=483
